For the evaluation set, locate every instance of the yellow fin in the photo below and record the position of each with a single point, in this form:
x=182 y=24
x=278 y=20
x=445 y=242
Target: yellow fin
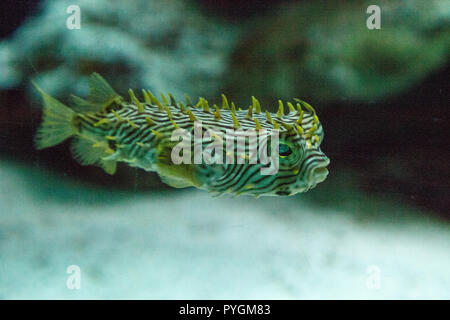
x=177 y=176
x=306 y=105
x=191 y=116
x=169 y=113
x=291 y=107
x=131 y=123
x=100 y=122
x=233 y=107
x=136 y=101
x=174 y=124
x=250 y=112
x=57 y=122
x=150 y=121
x=101 y=96
x=183 y=108
x=174 y=181
x=256 y=105
x=173 y=102
x=280 y=112
x=225 y=104
x=316 y=138
x=154 y=100
x=204 y=104
x=109 y=166
x=147 y=98
x=164 y=99
x=188 y=101
x=268 y=117
x=236 y=124
x=100 y=90
x=217 y=115
x=87 y=151
x=257 y=124
x=300 y=116
x=119 y=118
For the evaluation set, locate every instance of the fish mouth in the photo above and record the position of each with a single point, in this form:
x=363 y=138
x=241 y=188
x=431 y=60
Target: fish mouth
x=314 y=176
x=319 y=173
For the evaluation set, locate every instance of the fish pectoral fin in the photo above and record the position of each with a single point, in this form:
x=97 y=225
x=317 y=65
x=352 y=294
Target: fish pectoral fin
x=109 y=166
x=175 y=182
x=116 y=156
x=87 y=151
x=177 y=176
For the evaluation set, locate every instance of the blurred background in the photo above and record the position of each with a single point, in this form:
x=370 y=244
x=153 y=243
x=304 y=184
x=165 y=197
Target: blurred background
x=378 y=227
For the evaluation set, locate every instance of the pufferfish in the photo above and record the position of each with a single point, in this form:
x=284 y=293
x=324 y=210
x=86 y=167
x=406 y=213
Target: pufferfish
x=107 y=129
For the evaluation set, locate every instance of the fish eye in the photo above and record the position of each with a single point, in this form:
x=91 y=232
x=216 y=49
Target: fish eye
x=284 y=150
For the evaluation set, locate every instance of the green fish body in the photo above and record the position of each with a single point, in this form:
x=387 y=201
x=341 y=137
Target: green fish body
x=106 y=129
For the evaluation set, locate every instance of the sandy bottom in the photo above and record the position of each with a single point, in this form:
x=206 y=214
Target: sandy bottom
x=186 y=244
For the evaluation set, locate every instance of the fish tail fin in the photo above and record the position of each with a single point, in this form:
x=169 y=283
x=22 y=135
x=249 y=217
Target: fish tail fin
x=57 y=122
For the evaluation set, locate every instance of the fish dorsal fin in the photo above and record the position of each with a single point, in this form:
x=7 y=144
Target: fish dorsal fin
x=82 y=105
x=100 y=90
x=101 y=95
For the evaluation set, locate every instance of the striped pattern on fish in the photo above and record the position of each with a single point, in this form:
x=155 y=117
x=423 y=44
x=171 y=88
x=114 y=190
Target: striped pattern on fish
x=106 y=129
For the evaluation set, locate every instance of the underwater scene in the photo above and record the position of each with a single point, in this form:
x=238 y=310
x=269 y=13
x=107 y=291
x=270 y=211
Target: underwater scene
x=182 y=149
